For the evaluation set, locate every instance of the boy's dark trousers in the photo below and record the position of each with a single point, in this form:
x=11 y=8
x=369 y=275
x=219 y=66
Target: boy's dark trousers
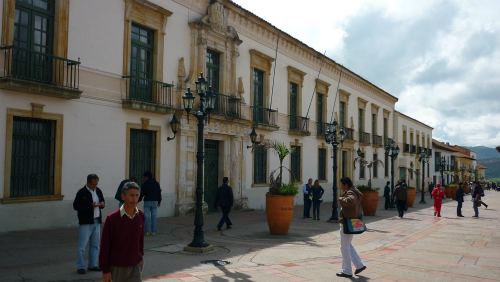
x=225 y=218
x=401 y=207
x=307 y=207
x=387 y=202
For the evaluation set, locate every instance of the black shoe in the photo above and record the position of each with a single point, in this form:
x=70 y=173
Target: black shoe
x=460 y=215
x=229 y=226
x=360 y=270
x=218 y=228
x=475 y=216
x=95 y=268
x=342 y=274
x=81 y=271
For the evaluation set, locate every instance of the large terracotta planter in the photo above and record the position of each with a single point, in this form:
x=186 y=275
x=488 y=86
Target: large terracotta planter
x=279 y=212
x=370 y=203
x=447 y=192
x=467 y=189
x=411 y=193
x=452 y=192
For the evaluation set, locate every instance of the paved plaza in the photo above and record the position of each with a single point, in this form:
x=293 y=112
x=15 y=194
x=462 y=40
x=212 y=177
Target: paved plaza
x=418 y=247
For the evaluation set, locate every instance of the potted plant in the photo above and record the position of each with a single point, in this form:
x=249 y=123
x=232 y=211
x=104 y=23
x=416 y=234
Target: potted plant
x=411 y=194
x=370 y=199
x=451 y=191
x=280 y=198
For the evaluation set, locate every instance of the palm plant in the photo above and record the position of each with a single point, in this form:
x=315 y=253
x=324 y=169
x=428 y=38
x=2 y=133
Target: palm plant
x=369 y=165
x=282 y=151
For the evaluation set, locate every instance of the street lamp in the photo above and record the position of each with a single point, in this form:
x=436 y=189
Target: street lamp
x=207 y=101
x=424 y=158
x=174 y=125
x=336 y=138
x=442 y=168
x=392 y=151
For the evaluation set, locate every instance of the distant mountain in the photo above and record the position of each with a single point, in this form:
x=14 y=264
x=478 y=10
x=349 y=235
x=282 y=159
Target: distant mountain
x=490 y=158
x=485 y=153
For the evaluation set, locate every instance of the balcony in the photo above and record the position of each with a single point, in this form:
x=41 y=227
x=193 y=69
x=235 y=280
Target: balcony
x=321 y=129
x=299 y=125
x=377 y=140
x=413 y=149
x=39 y=73
x=228 y=106
x=148 y=95
x=364 y=138
x=406 y=148
x=264 y=118
x=349 y=134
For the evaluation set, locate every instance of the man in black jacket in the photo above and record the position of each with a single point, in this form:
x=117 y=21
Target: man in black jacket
x=460 y=199
x=88 y=203
x=224 y=200
x=118 y=194
x=151 y=193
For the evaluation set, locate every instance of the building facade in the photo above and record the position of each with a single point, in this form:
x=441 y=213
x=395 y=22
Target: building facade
x=82 y=96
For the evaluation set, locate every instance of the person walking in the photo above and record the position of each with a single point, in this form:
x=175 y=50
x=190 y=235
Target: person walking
x=482 y=195
x=122 y=243
x=88 y=203
x=151 y=194
x=350 y=207
x=476 y=198
x=118 y=194
x=400 y=197
x=306 y=191
x=224 y=199
x=438 y=196
x=317 y=193
x=460 y=199
x=387 y=195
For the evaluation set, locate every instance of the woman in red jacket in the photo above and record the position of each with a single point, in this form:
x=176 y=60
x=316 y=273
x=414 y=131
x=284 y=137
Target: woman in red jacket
x=438 y=196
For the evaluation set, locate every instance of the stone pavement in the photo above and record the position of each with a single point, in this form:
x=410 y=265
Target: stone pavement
x=418 y=247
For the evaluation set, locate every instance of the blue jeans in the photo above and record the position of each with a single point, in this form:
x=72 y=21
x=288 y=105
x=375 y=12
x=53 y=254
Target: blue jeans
x=88 y=235
x=476 y=206
x=150 y=211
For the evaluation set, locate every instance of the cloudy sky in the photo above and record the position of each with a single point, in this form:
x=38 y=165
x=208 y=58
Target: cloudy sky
x=440 y=58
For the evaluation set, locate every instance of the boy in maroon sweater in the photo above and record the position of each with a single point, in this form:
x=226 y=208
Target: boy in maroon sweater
x=122 y=240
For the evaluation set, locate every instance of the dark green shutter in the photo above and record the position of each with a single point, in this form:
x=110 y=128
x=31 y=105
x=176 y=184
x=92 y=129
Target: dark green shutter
x=259 y=164
x=322 y=164
x=33 y=156
x=141 y=64
x=258 y=96
x=213 y=69
x=295 y=163
x=294 y=101
x=142 y=152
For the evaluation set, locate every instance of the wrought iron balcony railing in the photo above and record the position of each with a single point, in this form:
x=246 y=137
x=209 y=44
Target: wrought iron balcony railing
x=28 y=65
x=264 y=116
x=406 y=148
x=349 y=134
x=228 y=106
x=364 y=137
x=321 y=128
x=148 y=91
x=413 y=149
x=299 y=124
x=377 y=140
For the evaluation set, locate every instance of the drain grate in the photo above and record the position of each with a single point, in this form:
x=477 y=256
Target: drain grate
x=216 y=262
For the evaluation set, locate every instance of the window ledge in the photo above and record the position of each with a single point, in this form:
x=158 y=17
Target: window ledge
x=34 y=87
x=260 y=185
x=33 y=199
x=266 y=126
x=147 y=107
x=299 y=132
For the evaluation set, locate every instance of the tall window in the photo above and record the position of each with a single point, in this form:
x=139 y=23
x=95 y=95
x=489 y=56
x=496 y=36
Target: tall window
x=141 y=64
x=142 y=152
x=404 y=137
x=374 y=124
x=33 y=32
x=437 y=160
x=259 y=165
x=213 y=69
x=361 y=120
x=322 y=164
x=319 y=108
x=375 y=166
x=361 y=172
x=33 y=157
x=386 y=166
x=295 y=164
x=258 y=95
x=386 y=130
x=342 y=115
x=294 y=103
x=344 y=163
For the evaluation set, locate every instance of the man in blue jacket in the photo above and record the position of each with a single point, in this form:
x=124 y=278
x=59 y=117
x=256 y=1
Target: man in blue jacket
x=89 y=202
x=151 y=193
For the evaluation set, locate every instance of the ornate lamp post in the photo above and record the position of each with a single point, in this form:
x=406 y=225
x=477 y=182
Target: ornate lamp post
x=442 y=168
x=424 y=158
x=392 y=150
x=207 y=101
x=336 y=138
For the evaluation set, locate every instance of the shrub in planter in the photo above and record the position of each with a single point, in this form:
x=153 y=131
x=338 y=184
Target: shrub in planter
x=411 y=194
x=370 y=199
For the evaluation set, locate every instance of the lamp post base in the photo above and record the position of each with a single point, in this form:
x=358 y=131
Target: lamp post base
x=199 y=250
x=333 y=220
x=423 y=202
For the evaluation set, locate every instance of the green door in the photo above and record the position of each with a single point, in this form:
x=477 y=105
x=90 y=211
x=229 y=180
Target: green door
x=142 y=153
x=211 y=167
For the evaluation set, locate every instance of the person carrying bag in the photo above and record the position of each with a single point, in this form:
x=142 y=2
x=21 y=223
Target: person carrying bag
x=352 y=223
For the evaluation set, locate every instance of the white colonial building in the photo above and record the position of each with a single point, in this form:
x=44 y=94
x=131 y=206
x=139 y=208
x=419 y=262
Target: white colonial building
x=81 y=94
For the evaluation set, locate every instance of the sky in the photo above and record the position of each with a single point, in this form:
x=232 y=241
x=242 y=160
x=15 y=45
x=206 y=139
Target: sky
x=441 y=58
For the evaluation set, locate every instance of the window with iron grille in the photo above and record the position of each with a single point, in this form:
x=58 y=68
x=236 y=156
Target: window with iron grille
x=295 y=164
x=375 y=166
x=33 y=32
x=259 y=164
x=322 y=163
x=33 y=157
x=142 y=152
x=141 y=63
x=213 y=69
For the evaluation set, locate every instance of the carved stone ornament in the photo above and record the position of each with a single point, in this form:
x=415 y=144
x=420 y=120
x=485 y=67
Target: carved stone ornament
x=217 y=16
x=181 y=73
